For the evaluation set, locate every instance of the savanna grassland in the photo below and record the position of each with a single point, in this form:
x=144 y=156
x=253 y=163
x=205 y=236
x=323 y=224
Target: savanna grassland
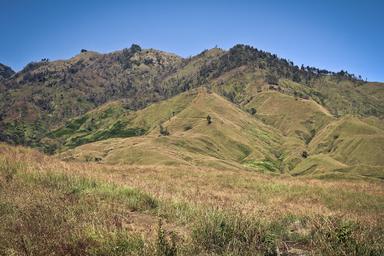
x=52 y=207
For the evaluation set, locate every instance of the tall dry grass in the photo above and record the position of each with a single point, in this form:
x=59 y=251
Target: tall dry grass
x=51 y=207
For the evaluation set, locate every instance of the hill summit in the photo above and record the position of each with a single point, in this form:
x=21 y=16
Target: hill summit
x=5 y=72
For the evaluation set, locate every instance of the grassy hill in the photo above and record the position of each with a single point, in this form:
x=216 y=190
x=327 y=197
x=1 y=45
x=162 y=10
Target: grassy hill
x=275 y=138
x=352 y=141
x=346 y=147
x=233 y=138
x=295 y=117
x=45 y=94
x=299 y=120
x=234 y=152
x=113 y=119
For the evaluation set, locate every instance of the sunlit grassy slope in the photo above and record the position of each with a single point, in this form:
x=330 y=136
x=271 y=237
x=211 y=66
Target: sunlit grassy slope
x=292 y=116
x=233 y=138
x=114 y=120
x=299 y=120
x=352 y=141
x=273 y=137
x=346 y=147
x=51 y=207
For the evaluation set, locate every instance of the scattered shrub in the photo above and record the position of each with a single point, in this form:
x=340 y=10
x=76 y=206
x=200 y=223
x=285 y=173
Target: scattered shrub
x=165 y=246
x=135 y=48
x=272 y=79
x=209 y=119
x=334 y=236
x=187 y=127
x=163 y=130
x=252 y=111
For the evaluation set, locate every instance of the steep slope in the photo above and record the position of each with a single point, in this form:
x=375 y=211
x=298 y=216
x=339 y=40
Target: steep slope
x=318 y=164
x=351 y=141
x=45 y=94
x=347 y=97
x=113 y=119
x=347 y=147
x=298 y=119
x=295 y=117
x=232 y=139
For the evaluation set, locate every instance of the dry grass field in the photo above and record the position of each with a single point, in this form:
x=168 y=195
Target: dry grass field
x=52 y=207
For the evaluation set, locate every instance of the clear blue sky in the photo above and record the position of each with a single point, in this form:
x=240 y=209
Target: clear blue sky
x=327 y=34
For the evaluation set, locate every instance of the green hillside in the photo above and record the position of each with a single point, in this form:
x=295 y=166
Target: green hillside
x=232 y=139
x=232 y=152
x=111 y=120
x=299 y=120
x=295 y=117
x=352 y=141
x=276 y=138
x=346 y=147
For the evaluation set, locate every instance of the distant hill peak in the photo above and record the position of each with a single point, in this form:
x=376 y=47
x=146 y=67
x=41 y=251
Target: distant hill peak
x=5 y=71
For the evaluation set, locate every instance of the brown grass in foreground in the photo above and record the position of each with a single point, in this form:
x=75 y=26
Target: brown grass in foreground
x=48 y=206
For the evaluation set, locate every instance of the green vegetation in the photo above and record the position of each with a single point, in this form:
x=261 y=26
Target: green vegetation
x=109 y=121
x=351 y=141
x=74 y=219
x=214 y=141
x=263 y=165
